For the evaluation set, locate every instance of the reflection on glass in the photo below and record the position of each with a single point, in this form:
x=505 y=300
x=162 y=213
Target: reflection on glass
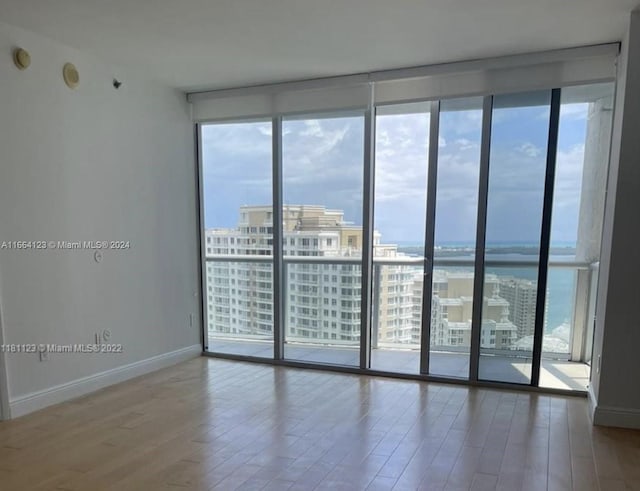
x=517 y=168
x=322 y=218
x=455 y=236
x=402 y=144
x=237 y=201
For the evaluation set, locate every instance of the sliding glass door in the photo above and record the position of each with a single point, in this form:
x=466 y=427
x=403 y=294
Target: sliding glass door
x=322 y=180
x=584 y=132
x=456 y=212
x=400 y=202
x=425 y=201
x=238 y=238
x=517 y=170
x=483 y=215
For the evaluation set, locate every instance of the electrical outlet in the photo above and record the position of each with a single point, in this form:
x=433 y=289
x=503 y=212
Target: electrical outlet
x=44 y=355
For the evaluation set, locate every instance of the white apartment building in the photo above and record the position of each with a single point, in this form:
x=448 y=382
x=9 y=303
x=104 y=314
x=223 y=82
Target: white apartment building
x=323 y=299
x=451 y=312
x=521 y=295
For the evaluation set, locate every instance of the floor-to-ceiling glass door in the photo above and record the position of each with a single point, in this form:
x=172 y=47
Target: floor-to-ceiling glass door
x=454 y=222
x=427 y=280
x=236 y=197
x=483 y=216
x=514 y=220
x=427 y=160
x=402 y=143
x=322 y=210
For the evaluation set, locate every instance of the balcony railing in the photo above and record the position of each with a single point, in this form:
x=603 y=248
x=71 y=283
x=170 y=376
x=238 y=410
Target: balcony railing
x=580 y=322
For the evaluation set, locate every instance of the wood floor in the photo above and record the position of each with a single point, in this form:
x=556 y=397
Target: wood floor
x=214 y=424
x=554 y=374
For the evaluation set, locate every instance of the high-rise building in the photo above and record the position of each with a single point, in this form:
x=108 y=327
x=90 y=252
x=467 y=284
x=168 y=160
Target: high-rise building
x=451 y=312
x=323 y=299
x=521 y=295
x=395 y=296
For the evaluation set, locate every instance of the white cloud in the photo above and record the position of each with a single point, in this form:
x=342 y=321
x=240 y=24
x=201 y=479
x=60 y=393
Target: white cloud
x=461 y=123
x=266 y=129
x=567 y=193
x=401 y=180
x=530 y=150
x=311 y=148
x=576 y=111
x=572 y=112
x=323 y=162
x=465 y=144
x=223 y=143
x=401 y=158
x=312 y=128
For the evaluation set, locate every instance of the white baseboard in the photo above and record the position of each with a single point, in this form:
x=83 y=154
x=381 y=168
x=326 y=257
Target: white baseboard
x=612 y=416
x=29 y=403
x=616 y=416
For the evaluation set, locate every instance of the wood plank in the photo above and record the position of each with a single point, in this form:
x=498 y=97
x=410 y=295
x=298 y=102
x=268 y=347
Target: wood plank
x=214 y=424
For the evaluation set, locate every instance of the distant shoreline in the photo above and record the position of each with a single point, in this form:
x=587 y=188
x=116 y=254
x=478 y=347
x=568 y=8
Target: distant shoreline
x=454 y=251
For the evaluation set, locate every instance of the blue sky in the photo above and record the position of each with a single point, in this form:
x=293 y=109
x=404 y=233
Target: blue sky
x=322 y=164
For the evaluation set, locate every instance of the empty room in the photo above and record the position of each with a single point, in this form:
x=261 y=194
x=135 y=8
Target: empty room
x=295 y=245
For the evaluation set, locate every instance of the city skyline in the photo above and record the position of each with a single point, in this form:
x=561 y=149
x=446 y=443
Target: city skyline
x=416 y=243
x=323 y=301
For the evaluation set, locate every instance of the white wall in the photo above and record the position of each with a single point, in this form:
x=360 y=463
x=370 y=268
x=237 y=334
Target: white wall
x=93 y=163
x=615 y=388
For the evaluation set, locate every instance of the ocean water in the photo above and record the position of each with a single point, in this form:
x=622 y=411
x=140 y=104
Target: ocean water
x=560 y=281
x=560 y=291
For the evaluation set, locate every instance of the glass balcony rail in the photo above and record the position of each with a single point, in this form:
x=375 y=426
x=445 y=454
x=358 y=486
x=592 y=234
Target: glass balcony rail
x=322 y=311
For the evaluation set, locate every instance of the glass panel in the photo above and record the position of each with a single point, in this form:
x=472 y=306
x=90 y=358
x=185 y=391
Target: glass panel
x=576 y=227
x=508 y=320
x=236 y=171
x=323 y=312
x=559 y=312
x=240 y=308
x=451 y=310
x=455 y=236
x=519 y=134
x=402 y=145
x=322 y=218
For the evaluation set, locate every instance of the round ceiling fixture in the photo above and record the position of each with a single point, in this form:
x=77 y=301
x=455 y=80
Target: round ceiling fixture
x=21 y=58
x=70 y=75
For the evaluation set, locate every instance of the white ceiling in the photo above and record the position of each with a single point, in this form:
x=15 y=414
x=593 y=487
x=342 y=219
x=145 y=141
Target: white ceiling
x=197 y=44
